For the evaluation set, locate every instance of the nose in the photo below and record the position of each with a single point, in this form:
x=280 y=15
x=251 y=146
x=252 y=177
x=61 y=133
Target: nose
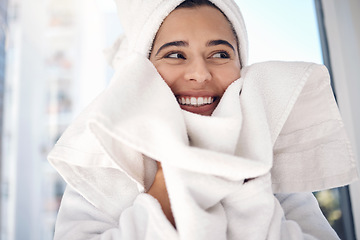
x=197 y=70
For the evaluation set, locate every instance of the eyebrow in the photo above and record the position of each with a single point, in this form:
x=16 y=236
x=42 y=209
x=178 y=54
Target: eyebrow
x=185 y=44
x=175 y=43
x=220 y=42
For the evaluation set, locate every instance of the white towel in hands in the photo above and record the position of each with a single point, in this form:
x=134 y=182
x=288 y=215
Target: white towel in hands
x=276 y=130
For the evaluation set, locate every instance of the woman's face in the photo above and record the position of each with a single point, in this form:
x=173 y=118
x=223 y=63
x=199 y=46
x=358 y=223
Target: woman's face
x=195 y=52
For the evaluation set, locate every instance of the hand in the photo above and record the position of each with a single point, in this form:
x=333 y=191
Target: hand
x=158 y=191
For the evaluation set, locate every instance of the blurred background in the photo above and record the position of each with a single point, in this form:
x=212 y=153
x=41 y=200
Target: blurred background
x=52 y=66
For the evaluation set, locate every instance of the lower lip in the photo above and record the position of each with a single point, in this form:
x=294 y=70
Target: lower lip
x=205 y=110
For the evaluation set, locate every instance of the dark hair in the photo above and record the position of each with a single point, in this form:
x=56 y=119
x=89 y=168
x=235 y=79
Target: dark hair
x=196 y=3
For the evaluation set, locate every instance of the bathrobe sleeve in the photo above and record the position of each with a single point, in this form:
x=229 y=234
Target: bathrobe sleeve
x=302 y=209
x=80 y=220
x=253 y=214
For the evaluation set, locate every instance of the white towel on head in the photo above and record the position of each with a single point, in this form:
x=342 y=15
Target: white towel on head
x=141 y=19
x=104 y=153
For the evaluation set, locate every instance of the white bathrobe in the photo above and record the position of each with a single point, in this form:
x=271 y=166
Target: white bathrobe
x=278 y=127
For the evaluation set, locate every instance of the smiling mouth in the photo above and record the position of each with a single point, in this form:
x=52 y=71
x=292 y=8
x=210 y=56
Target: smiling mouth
x=195 y=101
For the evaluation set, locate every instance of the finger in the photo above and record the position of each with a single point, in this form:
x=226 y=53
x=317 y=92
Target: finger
x=158 y=165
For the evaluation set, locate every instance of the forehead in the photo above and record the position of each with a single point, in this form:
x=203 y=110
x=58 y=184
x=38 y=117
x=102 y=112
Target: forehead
x=198 y=22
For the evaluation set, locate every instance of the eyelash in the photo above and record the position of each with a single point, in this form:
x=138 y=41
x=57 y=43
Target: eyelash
x=179 y=55
x=223 y=54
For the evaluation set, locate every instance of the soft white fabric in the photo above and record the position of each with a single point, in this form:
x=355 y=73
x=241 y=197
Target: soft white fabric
x=307 y=133
x=79 y=220
x=106 y=153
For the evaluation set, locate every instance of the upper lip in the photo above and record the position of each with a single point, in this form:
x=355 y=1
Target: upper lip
x=195 y=94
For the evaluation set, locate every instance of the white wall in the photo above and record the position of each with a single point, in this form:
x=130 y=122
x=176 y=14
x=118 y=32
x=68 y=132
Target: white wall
x=26 y=185
x=342 y=22
x=32 y=103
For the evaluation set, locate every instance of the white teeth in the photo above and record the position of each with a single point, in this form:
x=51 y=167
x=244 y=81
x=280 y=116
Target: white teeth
x=195 y=101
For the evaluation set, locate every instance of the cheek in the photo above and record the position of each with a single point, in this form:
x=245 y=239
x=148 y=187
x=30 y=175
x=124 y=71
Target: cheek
x=226 y=76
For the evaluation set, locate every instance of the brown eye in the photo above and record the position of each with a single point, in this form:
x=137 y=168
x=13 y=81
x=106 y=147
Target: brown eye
x=221 y=55
x=175 y=55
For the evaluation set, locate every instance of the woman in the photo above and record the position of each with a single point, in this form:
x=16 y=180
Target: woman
x=224 y=137
x=197 y=57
